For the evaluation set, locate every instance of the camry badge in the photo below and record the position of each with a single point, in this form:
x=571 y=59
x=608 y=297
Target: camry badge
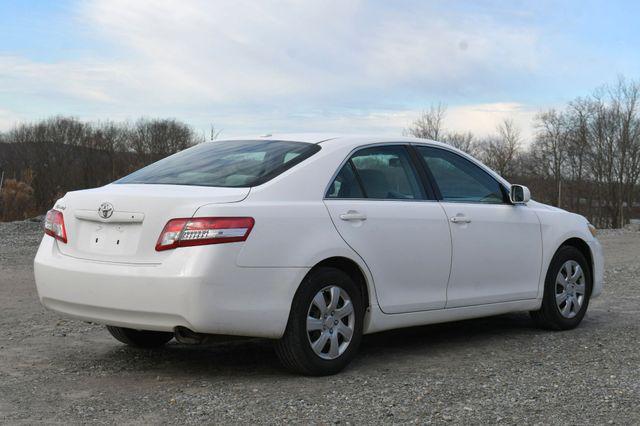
x=105 y=210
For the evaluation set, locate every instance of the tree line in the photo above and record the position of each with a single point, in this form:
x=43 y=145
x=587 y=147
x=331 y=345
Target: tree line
x=42 y=161
x=584 y=157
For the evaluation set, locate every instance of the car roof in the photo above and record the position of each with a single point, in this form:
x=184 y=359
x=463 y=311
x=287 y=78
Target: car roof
x=338 y=139
x=293 y=137
x=353 y=141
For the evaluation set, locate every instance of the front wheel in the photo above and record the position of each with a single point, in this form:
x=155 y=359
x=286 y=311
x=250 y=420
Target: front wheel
x=325 y=324
x=567 y=291
x=140 y=338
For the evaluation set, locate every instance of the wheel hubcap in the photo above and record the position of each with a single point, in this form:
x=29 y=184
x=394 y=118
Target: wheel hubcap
x=570 y=289
x=330 y=322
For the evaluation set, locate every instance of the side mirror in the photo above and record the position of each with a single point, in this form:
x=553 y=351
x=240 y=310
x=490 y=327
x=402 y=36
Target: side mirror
x=519 y=194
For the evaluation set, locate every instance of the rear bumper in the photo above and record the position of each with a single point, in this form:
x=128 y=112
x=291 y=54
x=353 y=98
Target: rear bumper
x=598 y=267
x=200 y=288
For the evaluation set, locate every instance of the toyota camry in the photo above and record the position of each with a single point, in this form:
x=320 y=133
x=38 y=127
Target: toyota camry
x=312 y=241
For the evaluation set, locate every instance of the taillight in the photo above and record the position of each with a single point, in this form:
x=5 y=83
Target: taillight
x=54 y=225
x=204 y=230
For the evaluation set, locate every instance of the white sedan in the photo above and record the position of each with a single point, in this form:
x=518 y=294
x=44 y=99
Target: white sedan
x=312 y=241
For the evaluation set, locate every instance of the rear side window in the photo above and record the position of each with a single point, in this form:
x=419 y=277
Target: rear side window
x=346 y=184
x=383 y=173
x=225 y=164
x=459 y=180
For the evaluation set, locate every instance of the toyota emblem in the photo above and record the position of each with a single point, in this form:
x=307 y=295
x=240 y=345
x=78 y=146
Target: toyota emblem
x=105 y=210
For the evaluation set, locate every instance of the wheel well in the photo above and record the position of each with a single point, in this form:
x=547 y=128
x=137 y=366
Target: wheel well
x=352 y=269
x=583 y=247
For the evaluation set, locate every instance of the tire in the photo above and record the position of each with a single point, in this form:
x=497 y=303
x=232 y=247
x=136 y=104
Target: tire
x=295 y=347
x=554 y=315
x=140 y=338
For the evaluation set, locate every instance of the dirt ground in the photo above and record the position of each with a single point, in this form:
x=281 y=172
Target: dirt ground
x=494 y=370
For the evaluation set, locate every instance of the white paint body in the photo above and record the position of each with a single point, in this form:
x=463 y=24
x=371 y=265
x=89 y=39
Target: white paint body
x=419 y=267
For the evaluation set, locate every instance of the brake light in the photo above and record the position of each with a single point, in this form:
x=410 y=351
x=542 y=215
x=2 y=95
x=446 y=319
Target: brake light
x=54 y=225
x=204 y=230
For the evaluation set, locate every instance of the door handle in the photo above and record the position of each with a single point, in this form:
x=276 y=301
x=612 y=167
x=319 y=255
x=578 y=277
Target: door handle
x=353 y=215
x=460 y=219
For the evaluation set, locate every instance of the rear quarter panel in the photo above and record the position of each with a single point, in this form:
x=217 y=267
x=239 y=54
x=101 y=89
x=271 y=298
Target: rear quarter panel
x=293 y=228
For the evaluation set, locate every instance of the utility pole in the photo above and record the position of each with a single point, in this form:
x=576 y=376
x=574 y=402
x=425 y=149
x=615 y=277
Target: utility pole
x=214 y=133
x=1 y=182
x=559 y=192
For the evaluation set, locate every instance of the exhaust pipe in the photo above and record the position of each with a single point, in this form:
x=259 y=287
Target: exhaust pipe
x=188 y=337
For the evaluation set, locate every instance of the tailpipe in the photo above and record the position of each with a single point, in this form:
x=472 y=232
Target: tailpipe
x=188 y=337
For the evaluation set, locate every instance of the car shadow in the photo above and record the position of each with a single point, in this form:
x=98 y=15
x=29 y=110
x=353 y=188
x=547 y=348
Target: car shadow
x=256 y=357
x=450 y=333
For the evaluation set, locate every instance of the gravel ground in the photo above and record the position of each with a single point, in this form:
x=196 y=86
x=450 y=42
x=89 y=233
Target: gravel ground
x=494 y=370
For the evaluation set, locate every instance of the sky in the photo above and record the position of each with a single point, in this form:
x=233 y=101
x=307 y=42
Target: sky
x=349 y=66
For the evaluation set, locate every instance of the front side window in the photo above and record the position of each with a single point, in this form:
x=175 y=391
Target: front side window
x=384 y=173
x=459 y=180
x=225 y=164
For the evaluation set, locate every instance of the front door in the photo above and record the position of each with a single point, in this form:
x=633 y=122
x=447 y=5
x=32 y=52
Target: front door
x=497 y=246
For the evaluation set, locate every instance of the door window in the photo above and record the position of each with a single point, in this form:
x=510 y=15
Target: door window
x=383 y=173
x=345 y=184
x=459 y=180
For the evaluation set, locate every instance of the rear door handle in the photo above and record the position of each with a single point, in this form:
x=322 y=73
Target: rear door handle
x=353 y=215
x=460 y=219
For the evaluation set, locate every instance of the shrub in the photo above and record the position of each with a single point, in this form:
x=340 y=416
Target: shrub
x=16 y=199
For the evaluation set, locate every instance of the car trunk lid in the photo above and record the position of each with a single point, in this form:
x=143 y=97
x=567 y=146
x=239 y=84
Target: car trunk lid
x=122 y=222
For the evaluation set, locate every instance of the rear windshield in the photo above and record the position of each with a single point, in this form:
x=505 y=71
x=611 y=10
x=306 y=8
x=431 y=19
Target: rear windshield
x=226 y=163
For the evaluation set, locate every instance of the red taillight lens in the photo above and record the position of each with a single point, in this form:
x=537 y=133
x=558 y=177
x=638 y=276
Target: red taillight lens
x=204 y=230
x=54 y=225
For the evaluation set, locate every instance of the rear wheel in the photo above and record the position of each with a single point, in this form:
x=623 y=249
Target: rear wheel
x=325 y=324
x=140 y=338
x=567 y=291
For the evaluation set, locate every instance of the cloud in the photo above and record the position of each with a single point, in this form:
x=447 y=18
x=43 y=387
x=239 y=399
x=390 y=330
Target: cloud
x=233 y=52
x=86 y=80
x=353 y=63
x=482 y=119
x=8 y=119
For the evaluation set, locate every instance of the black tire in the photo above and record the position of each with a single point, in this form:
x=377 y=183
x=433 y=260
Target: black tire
x=549 y=316
x=140 y=338
x=294 y=348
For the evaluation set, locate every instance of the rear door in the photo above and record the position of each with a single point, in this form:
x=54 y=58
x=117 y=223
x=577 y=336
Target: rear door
x=497 y=246
x=381 y=209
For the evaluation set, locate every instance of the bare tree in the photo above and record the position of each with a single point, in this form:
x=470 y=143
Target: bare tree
x=550 y=147
x=430 y=124
x=156 y=139
x=589 y=154
x=615 y=134
x=463 y=141
x=577 y=152
x=60 y=154
x=500 y=151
